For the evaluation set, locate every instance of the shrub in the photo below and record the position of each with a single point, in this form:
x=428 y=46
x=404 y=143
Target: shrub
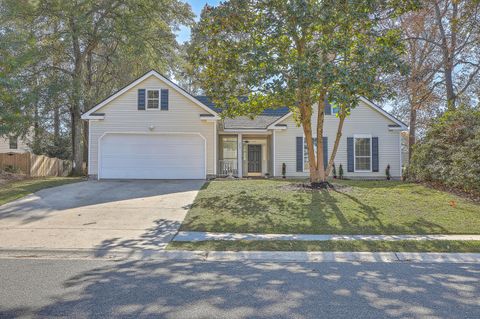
x=340 y=171
x=12 y=169
x=450 y=151
x=284 y=170
x=387 y=172
x=404 y=173
x=334 y=171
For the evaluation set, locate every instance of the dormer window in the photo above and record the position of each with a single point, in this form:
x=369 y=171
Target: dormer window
x=153 y=99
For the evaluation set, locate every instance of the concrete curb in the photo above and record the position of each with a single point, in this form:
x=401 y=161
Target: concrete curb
x=255 y=256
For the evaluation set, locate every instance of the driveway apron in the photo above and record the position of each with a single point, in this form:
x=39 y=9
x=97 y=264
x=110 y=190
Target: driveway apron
x=99 y=215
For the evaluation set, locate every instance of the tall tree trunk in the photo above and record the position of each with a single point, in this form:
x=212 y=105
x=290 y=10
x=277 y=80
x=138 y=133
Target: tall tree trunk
x=56 y=125
x=76 y=107
x=306 y=120
x=341 y=117
x=36 y=128
x=412 y=130
x=88 y=101
x=77 y=126
x=320 y=122
x=451 y=98
x=448 y=51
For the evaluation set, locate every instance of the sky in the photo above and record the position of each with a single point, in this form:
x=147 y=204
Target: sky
x=197 y=6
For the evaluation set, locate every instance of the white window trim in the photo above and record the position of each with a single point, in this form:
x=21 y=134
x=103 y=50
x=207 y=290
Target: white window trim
x=159 y=99
x=355 y=136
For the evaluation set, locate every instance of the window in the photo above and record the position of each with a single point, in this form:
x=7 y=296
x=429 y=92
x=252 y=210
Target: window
x=229 y=147
x=153 y=99
x=363 y=153
x=306 y=166
x=228 y=157
x=13 y=142
x=335 y=109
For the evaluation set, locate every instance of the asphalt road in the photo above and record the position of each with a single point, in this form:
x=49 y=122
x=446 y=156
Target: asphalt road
x=185 y=289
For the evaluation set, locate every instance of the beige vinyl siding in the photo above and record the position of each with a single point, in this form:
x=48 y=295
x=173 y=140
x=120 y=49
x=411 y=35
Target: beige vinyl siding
x=121 y=115
x=5 y=146
x=362 y=120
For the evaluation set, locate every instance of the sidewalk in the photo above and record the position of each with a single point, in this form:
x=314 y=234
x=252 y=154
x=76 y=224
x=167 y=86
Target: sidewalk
x=202 y=236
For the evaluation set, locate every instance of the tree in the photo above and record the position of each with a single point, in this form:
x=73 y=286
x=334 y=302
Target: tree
x=457 y=41
x=296 y=53
x=416 y=92
x=96 y=46
x=17 y=50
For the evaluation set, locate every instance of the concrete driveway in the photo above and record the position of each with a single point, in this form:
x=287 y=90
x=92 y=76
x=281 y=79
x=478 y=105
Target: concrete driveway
x=101 y=215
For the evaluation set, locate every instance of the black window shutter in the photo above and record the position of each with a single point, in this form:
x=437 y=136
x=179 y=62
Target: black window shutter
x=350 y=159
x=141 y=99
x=164 y=99
x=325 y=152
x=375 y=154
x=299 y=154
x=328 y=107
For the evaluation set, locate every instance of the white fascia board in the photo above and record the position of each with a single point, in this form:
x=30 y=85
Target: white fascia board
x=400 y=128
x=242 y=131
x=277 y=127
x=210 y=118
x=272 y=126
x=92 y=117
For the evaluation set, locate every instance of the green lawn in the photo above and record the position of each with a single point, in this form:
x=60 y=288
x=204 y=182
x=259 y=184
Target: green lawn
x=19 y=189
x=355 y=207
x=357 y=245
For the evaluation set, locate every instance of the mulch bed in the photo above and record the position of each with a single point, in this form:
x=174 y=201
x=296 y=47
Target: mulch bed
x=309 y=187
x=473 y=196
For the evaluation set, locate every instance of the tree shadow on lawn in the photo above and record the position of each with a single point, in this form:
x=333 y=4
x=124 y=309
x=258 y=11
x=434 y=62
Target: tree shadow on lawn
x=370 y=221
x=193 y=289
x=298 y=212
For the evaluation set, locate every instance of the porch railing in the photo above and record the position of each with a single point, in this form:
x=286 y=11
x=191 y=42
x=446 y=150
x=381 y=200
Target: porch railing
x=228 y=167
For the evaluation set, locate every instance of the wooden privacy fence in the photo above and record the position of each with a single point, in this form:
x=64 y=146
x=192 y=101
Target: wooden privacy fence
x=35 y=165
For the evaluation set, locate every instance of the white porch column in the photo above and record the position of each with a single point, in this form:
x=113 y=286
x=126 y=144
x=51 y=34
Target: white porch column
x=239 y=155
x=273 y=151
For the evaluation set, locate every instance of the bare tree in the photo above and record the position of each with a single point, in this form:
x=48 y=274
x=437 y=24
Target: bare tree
x=457 y=40
x=418 y=86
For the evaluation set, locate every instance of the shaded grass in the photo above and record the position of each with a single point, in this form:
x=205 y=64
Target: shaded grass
x=19 y=189
x=355 y=207
x=356 y=245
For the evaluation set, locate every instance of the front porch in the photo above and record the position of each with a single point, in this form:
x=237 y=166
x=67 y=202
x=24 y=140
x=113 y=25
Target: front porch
x=245 y=155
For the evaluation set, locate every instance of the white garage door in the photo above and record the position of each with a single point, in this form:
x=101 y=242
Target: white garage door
x=152 y=156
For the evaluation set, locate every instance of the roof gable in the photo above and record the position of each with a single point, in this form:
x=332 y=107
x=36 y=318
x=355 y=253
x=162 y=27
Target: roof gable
x=370 y=104
x=90 y=114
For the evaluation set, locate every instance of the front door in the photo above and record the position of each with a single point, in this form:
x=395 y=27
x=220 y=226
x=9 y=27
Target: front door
x=254 y=158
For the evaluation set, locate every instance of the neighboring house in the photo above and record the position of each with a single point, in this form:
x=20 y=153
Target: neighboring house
x=13 y=144
x=153 y=129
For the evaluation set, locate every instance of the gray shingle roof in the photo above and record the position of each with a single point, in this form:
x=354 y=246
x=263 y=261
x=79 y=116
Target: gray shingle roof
x=261 y=121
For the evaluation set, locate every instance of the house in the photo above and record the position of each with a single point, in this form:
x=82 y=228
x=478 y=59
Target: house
x=13 y=144
x=153 y=129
